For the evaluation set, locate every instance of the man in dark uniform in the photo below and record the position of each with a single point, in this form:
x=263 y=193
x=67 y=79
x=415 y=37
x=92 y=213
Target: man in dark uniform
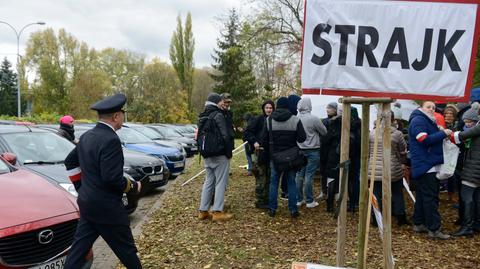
x=95 y=167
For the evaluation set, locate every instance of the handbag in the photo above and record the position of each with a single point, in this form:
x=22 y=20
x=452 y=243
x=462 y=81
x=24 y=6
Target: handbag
x=450 y=157
x=288 y=159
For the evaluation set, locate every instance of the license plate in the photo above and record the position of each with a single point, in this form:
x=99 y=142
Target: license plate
x=54 y=264
x=177 y=165
x=156 y=177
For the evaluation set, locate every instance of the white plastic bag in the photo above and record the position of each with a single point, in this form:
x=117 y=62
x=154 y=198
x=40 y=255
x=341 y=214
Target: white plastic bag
x=450 y=156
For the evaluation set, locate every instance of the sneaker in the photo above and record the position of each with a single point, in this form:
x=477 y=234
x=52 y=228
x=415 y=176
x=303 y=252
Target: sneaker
x=312 y=204
x=203 y=215
x=301 y=203
x=420 y=228
x=438 y=235
x=321 y=196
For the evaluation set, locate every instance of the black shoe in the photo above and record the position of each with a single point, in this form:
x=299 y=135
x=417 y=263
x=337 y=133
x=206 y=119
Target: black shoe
x=295 y=214
x=402 y=220
x=463 y=231
x=271 y=213
x=458 y=222
x=261 y=206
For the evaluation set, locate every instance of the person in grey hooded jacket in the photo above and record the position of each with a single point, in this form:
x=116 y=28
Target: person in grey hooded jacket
x=314 y=128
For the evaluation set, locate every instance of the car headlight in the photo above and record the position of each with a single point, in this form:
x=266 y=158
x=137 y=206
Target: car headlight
x=70 y=188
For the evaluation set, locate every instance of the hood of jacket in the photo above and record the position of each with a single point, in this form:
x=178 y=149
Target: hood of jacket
x=304 y=106
x=209 y=108
x=281 y=114
x=418 y=113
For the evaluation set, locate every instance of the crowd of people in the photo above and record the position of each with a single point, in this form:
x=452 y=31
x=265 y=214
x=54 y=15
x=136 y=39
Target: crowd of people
x=287 y=127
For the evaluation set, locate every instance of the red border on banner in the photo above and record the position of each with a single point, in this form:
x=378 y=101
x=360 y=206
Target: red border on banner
x=468 y=86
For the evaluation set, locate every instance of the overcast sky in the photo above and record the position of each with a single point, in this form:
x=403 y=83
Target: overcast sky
x=143 y=26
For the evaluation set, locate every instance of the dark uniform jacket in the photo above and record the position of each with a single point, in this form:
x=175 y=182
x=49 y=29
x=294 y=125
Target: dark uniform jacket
x=100 y=157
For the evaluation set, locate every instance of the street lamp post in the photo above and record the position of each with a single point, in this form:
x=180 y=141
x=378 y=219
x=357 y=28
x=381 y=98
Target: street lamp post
x=18 y=34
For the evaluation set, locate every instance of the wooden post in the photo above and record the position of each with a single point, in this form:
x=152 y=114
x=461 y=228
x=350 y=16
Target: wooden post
x=344 y=156
x=387 y=189
x=362 y=222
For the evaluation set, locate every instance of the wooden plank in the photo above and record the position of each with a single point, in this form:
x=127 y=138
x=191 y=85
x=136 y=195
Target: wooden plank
x=362 y=222
x=344 y=156
x=387 y=189
x=353 y=100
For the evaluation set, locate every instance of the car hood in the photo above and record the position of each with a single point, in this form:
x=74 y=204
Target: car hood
x=183 y=140
x=55 y=173
x=152 y=148
x=26 y=197
x=133 y=158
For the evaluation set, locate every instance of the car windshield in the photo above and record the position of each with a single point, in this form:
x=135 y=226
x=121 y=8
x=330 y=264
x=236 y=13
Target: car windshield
x=167 y=131
x=38 y=147
x=4 y=167
x=148 y=132
x=130 y=136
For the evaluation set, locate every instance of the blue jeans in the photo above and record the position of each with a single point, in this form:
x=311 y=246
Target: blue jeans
x=304 y=177
x=426 y=205
x=292 y=190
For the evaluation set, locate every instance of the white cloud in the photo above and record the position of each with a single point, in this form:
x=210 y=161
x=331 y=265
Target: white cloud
x=144 y=26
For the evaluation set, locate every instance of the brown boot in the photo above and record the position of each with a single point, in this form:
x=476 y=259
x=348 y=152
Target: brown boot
x=220 y=216
x=203 y=215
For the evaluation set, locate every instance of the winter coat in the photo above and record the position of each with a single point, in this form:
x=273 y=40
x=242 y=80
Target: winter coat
x=67 y=132
x=471 y=164
x=314 y=128
x=426 y=143
x=330 y=151
x=287 y=130
x=221 y=121
x=398 y=155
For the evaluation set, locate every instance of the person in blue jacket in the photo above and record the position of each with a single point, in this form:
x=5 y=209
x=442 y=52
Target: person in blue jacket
x=426 y=151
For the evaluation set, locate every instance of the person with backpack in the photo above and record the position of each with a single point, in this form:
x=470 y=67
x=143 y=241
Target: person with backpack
x=283 y=132
x=215 y=145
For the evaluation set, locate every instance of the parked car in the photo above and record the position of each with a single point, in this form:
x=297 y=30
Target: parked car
x=168 y=132
x=187 y=130
x=37 y=221
x=43 y=153
x=157 y=137
x=142 y=167
x=136 y=141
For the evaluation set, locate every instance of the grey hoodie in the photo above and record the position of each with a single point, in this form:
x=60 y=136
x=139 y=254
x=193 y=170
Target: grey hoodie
x=313 y=126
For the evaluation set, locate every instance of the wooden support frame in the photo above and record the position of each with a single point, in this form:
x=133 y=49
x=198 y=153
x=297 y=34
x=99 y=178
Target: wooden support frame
x=364 y=191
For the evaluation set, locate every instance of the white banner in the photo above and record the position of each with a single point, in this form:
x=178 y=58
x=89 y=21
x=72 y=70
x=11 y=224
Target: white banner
x=401 y=49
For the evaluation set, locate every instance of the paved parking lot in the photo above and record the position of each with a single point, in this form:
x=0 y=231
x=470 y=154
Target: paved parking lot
x=103 y=255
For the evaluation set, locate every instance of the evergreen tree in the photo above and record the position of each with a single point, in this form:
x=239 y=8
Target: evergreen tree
x=233 y=73
x=8 y=89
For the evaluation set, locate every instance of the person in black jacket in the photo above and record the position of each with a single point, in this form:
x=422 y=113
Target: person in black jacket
x=286 y=131
x=217 y=167
x=66 y=128
x=95 y=167
x=261 y=170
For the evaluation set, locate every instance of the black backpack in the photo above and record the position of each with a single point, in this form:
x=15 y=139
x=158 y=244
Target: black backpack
x=210 y=140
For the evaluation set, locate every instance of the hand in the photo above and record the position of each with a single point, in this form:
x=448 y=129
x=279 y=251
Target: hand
x=256 y=145
x=139 y=186
x=448 y=132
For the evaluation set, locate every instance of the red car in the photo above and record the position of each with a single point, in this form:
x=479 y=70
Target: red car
x=37 y=221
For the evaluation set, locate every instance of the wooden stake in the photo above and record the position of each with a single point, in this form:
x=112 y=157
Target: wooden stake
x=387 y=189
x=344 y=156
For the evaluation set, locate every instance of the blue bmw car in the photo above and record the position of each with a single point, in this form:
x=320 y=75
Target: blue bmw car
x=136 y=141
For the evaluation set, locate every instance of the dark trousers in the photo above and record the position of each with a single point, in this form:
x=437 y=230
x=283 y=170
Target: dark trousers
x=118 y=237
x=284 y=184
x=471 y=205
x=262 y=181
x=427 y=202
x=398 y=203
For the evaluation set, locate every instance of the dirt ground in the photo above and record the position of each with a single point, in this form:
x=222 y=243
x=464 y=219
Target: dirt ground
x=174 y=238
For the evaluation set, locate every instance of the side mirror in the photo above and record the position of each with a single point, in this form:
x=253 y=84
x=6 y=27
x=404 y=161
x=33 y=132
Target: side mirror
x=11 y=158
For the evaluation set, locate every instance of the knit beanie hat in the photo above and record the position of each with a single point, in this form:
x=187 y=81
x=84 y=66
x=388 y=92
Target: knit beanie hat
x=472 y=113
x=333 y=105
x=67 y=119
x=282 y=102
x=451 y=108
x=214 y=97
x=293 y=100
